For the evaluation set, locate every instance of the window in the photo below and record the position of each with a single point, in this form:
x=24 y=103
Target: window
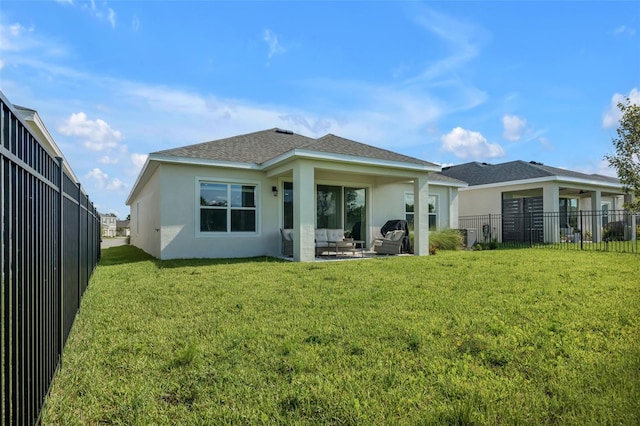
x=409 y=209
x=433 y=211
x=568 y=213
x=287 y=198
x=227 y=207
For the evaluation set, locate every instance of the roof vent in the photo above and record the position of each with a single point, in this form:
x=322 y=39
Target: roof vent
x=285 y=131
x=535 y=163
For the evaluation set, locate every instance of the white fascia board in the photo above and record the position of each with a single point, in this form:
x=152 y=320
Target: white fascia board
x=448 y=184
x=325 y=156
x=203 y=162
x=565 y=179
x=143 y=173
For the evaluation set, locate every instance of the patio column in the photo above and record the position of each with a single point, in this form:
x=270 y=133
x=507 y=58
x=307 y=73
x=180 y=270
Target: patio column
x=596 y=221
x=453 y=207
x=551 y=213
x=304 y=192
x=421 y=216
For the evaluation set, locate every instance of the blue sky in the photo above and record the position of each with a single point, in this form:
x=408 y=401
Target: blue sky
x=447 y=82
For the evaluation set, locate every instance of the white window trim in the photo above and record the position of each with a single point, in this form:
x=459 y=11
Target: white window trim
x=436 y=212
x=231 y=181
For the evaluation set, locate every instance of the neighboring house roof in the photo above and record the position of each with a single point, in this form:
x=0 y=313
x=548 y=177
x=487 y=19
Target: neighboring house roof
x=260 y=147
x=476 y=173
x=438 y=178
x=122 y=223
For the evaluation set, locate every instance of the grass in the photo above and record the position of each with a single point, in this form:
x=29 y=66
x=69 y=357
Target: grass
x=491 y=337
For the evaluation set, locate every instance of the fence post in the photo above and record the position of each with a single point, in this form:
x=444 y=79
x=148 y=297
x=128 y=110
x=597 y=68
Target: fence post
x=581 y=229
x=60 y=257
x=79 y=243
x=530 y=229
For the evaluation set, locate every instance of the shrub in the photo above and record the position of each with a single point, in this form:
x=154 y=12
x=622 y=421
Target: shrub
x=447 y=239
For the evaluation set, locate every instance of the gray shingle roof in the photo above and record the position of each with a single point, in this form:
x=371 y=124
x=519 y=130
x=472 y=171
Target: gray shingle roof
x=476 y=173
x=265 y=145
x=256 y=147
x=439 y=177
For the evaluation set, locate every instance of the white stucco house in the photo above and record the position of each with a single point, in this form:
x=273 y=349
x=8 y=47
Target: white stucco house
x=231 y=197
x=553 y=196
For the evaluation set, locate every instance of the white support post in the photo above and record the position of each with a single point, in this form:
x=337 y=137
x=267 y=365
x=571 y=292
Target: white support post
x=596 y=221
x=304 y=192
x=421 y=216
x=551 y=206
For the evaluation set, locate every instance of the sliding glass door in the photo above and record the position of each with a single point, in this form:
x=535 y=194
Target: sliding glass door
x=355 y=212
x=337 y=207
x=329 y=207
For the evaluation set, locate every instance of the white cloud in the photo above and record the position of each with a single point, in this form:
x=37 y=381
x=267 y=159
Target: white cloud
x=513 y=127
x=111 y=17
x=465 y=144
x=275 y=48
x=138 y=160
x=613 y=115
x=624 y=30
x=96 y=135
x=12 y=37
x=546 y=144
x=135 y=23
x=115 y=184
x=101 y=180
x=108 y=160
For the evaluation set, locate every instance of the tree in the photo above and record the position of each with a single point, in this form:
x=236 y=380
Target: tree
x=626 y=160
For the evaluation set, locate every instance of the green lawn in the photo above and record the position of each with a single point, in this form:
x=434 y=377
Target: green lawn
x=490 y=337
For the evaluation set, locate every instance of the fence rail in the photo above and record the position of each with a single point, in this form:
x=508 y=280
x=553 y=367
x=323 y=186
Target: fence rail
x=613 y=230
x=50 y=244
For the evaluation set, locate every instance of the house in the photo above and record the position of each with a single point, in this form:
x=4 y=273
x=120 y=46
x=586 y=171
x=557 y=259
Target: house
x=37 y=127
x=108 y=225
x=520 y=188
x=122 y=228
x=231 y=197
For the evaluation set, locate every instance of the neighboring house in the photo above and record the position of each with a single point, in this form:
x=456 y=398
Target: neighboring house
x=122 y=228
x=230 y=197
x=108 y=225
x=519 y=187
x=40 y=131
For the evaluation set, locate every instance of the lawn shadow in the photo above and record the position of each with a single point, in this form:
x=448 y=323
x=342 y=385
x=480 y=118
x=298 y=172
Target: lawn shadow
x=120 y=255
x=180 y=263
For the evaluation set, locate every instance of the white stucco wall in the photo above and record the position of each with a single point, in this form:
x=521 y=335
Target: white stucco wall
x=145 y=217
x=180 y=215
x=389 y=198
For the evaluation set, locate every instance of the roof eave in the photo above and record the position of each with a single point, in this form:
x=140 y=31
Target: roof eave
x=565 y=179
x=341 y=158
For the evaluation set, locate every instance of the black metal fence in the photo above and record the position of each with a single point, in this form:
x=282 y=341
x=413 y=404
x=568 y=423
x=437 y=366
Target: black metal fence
x=50 y=246
x=613 y=230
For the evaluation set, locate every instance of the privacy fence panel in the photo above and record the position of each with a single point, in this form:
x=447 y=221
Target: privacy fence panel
x=599 y=230
x=49 y=248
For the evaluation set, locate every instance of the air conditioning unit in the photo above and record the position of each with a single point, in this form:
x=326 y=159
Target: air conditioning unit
x=469 y=237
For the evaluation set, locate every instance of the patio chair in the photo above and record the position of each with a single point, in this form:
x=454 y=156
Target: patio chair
x=391 y=243
x=287 y=242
